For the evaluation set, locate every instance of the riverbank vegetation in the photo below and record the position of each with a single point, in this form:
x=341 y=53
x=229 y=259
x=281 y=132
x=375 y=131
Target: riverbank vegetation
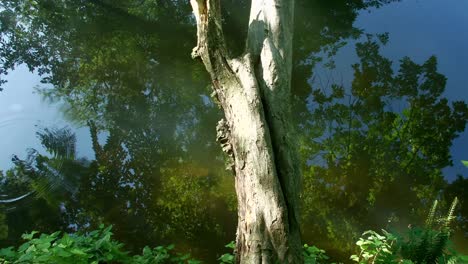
x=429 y=244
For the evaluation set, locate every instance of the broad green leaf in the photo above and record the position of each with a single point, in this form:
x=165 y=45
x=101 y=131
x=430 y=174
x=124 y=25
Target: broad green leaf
x=78 y=251
x=232 y=245
x=226 y=258
x=29 y=236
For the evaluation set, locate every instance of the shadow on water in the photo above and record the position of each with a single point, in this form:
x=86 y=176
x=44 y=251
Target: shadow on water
x=159 y=177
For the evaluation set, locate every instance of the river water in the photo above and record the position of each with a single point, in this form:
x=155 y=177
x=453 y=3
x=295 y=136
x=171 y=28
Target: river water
x=124 y=134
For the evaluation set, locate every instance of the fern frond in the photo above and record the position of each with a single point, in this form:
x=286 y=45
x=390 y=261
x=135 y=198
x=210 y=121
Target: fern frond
x=450 y=216
x=430 y=216
x=452 y=260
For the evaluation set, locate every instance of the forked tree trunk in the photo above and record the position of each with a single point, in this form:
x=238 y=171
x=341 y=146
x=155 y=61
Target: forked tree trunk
x=254 y=92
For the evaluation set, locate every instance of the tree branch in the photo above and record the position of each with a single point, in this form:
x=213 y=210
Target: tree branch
x=211 y=46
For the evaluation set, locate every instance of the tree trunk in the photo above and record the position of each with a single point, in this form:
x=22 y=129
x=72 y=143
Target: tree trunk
x=254 y=92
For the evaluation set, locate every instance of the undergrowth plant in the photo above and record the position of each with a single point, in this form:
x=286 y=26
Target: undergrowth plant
x=311 y=254
x=314 y=255
x=375 y=248
x=95 y=247
x=228 y=258
x=419 y=245
x=429 y=244
x=426 y=245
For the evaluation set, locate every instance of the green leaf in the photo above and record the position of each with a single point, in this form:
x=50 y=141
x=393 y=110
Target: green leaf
x=7 y=252
x=232 y=245
x=147 y=251
x=55 y=234
x=227 y=258
x=29 y=236
x=42 y=258
x=43 y=246
x=465 y=162
x=62 y=253
x=170 y=247
x=23 y=247
x=25 y=258
x=78 y=251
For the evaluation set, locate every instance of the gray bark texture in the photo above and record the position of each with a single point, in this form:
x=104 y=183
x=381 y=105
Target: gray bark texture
x=254 y=92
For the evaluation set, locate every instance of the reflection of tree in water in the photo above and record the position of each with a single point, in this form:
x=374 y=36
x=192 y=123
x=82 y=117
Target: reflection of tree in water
x=123 y=68
x=41 y=184
x=378 y=145
x=146 y=200
x=42 y=176
x=161 y=193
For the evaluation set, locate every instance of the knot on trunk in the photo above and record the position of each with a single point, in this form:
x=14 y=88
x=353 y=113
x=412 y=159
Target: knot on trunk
x=223 y=135
x=196 y=52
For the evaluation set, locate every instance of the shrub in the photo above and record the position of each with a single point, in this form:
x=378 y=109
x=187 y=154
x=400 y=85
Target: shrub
x=94 y=247
x=419 y=245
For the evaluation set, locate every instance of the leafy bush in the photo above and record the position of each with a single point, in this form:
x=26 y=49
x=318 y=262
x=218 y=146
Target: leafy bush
x=162 y=254
x=420 y=245
x=94 y=247
x=375 y=248
x=427 y=245
x=314 y=255
x=228 y=258
x=430 y=244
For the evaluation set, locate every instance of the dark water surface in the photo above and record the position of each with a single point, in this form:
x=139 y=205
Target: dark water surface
x=121 y=130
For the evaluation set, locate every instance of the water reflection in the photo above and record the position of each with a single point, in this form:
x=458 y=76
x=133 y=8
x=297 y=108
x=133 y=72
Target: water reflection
x=383 y=141
x=124 y=70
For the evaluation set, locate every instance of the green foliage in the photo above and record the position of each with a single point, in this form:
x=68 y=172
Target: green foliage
x=98 y=246
x=424 y=245
x=94 y=247
x=228 y=258
x=430 y=243
x=314 y=255
x=162 y=254
x=375 y=248
x=419 y=245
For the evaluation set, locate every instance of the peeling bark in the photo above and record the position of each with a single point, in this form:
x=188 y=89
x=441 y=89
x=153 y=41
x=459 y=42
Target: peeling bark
x=254 y=91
